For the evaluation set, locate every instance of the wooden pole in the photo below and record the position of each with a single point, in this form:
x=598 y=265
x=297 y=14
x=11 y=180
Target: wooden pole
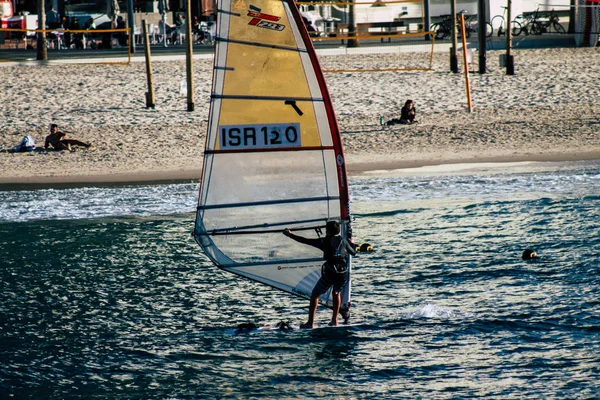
x=41 y=45
x=150 y=93
x=188 y=56
x=465 y=61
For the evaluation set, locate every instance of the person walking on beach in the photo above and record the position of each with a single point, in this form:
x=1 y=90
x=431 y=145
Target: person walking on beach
x=334 y=271
x=59 y=141
x=407 y=115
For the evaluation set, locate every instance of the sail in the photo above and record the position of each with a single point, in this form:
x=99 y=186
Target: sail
x=273 y=156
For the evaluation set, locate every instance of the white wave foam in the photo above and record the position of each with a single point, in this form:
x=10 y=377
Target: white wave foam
x=435 y=312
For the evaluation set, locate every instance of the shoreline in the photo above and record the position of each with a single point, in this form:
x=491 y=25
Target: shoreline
x=547 y=112
x=380 y=167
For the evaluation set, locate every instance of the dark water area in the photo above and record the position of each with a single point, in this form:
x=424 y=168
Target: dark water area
x=128 y=307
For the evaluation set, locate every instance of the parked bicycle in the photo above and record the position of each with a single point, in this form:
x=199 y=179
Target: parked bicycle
x=499 y=23
x=534 y=24
x=471 y=24
x=443 y=29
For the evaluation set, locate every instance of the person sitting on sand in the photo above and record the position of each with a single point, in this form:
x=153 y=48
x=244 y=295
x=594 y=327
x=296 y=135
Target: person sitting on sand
x=407 y=115
x=59 y=141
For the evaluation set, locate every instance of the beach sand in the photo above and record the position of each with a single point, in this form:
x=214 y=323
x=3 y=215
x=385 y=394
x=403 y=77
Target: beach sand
x=548 y=111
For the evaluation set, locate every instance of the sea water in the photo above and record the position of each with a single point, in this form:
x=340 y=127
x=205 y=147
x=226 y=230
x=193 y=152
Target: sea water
x=104 y=294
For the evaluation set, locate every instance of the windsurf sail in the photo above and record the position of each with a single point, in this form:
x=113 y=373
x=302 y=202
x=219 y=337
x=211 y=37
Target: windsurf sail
x=273 y=157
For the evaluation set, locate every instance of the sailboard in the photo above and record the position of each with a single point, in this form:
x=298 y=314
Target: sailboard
x=273 y=157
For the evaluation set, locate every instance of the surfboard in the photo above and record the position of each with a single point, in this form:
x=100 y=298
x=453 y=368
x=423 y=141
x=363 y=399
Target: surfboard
x=273 y=157
x=323 y=328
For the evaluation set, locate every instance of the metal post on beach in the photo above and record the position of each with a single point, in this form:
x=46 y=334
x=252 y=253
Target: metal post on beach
x=131 y=23
x=482 y=26
x=453 y=57
x=510 y=62
x=352 y=40
x=188 y=57
x=426 y=18
x=150 y=93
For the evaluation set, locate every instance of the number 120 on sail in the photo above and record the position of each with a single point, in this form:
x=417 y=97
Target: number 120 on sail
x=259 y=136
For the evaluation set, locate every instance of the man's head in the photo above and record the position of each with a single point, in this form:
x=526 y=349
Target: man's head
x=53 y=128
x=332 y=228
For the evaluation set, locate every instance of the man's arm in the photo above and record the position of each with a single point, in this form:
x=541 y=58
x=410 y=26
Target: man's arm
x=351 y=249
x=311 y=242
x=47 y=142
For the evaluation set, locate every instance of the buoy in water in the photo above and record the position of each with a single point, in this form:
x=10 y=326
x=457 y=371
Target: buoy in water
x=364 y=248
x=529 y=255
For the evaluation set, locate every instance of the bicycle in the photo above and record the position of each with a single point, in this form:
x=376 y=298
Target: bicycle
x=471 y=24
x=535 y=26
x=443 y=29
x=500 y=22
x=553 y=21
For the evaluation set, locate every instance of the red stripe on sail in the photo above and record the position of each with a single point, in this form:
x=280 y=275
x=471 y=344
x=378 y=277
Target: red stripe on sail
x=333 y=126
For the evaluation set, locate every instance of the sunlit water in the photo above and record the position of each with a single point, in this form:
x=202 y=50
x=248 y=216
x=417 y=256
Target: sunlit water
x=104 y=294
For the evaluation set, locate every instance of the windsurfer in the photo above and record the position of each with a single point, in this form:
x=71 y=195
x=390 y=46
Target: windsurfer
x=334 y=271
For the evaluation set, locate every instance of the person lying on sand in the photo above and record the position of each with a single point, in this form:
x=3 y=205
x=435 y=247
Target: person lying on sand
x=59 y=141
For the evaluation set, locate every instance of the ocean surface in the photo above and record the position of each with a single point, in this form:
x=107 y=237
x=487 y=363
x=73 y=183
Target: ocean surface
x=105 y=295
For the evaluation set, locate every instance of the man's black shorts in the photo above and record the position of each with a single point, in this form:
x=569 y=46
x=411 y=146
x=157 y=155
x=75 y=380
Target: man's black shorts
x=328 y=279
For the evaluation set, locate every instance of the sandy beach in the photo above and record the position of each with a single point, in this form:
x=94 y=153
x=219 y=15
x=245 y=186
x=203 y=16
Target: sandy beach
x=547 y=111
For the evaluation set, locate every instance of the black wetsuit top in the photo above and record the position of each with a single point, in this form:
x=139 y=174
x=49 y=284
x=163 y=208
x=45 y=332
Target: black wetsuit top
x=328 y=245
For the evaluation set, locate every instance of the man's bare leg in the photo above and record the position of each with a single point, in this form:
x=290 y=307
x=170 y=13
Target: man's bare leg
x=336 y=309
x=70 y=142
x=61 y=146
x=312 y=311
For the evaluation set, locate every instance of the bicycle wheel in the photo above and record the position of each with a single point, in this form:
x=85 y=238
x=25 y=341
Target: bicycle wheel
x=559 y=28
x=459 y=32
x=536 y=28
x=498 y=24
x=435 y=29
x=489 y=30
x=516 y=28
x=440 y=31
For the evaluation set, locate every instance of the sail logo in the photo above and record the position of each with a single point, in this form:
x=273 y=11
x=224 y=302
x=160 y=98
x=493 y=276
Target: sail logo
x=259 y=136
x=262 y=20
